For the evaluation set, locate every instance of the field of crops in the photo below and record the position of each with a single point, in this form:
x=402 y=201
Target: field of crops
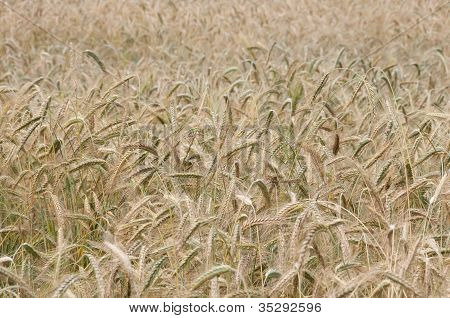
x=224 y=148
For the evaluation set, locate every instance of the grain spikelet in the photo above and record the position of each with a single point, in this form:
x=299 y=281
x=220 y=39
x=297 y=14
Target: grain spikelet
x=319 y=88
x=135 y=209
x=97 y=205
x=438 y=190
x=284 y=280
x=402 y=282
x=115 y=85
x=19 y=281
x=61 y=290
x=185 y=175
x=44 y=110
x=193 y=229
x=415 y=185
x=383 y=172
x=263 y=187
x=119 y=254
x=153 y=273
x=213 y=272
x=307 y=243
x=97 y=60
x=262 y=220
x=356 y=282
x=28 y=123
x=355 y=92
x=290 y=209
x=60 y=231
x=301 y=258
x=88 y=163
x=87 y=207
x=112 y=180
x=98 y=275
x=27 y=135
x=142 y=146
x=299 y=221
x=186 y=260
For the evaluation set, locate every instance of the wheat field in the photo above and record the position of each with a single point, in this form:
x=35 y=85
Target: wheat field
x=224 y=148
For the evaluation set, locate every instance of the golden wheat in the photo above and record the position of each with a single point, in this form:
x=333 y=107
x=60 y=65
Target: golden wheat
x=212 y=149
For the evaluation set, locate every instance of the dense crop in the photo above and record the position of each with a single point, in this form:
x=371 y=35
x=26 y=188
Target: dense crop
x=224 y=149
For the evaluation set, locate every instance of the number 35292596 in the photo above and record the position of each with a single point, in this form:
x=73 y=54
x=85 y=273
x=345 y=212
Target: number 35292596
x=289 y=307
